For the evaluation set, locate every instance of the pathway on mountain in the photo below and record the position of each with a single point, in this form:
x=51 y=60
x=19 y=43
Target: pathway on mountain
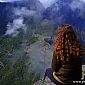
x=41 y=55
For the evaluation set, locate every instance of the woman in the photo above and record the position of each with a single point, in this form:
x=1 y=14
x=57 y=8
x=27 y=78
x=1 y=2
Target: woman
x=67 y=57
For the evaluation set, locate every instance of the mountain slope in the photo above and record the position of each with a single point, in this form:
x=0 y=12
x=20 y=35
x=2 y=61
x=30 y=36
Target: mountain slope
x=61 y=12
x=12 y=10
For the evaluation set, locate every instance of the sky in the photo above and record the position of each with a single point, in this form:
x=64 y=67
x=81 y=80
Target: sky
x=82 y=0
x=8 y=0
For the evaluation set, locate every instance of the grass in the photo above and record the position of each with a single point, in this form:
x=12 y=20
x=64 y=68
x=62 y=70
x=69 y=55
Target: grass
x=43 y=82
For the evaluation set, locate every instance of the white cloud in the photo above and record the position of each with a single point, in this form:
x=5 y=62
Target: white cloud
x=76 y=4
x=13 y=27
x=80 y=5
x=18 y=22
x=82 y=0
x=23 y=12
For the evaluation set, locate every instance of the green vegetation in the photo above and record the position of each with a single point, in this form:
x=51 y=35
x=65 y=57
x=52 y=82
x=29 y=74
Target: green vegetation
x=17 y=73
x=32 y=40
x=43 y=82
x=8 y=45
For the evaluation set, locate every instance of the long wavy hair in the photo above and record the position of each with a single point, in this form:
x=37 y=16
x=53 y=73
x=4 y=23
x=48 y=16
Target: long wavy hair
x=67 y=43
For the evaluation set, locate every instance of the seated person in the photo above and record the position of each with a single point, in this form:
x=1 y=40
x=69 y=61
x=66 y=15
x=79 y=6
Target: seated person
x=67 y=58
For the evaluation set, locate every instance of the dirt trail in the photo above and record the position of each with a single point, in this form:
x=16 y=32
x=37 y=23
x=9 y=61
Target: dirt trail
x=41 y=55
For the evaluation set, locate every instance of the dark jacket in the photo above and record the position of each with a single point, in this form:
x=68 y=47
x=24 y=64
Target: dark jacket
x=67 y=71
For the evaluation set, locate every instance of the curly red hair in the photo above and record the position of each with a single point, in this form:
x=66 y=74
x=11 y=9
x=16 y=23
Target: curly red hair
x=67 y=43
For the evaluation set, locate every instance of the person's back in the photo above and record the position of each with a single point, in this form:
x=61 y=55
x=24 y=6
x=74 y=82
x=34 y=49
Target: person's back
x=67 y=56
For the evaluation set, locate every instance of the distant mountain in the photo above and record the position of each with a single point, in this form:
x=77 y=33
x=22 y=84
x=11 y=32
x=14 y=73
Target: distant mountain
x=68 y=12
x=7 y=11
x=61 y=13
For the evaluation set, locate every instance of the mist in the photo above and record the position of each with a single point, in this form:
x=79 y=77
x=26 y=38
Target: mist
x=18 y=21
